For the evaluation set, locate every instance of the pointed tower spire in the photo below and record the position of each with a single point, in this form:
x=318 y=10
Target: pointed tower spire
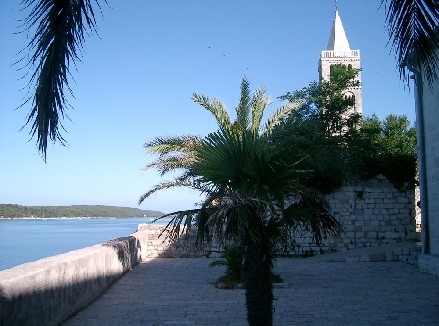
x=337 y=39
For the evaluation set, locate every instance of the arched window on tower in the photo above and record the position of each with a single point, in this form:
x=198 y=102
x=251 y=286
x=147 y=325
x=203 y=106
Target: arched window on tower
x=349 y=67
x=351 y=99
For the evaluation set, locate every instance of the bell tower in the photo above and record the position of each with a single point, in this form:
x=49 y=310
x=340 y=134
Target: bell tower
x=339 y=52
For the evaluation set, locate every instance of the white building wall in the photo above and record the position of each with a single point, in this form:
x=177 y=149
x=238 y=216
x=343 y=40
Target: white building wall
x=431 y=126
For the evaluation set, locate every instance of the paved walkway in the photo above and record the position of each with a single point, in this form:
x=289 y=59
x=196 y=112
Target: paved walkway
x=180 y=292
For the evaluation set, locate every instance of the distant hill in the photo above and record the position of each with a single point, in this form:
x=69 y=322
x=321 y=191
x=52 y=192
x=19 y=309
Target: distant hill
x=18 y=211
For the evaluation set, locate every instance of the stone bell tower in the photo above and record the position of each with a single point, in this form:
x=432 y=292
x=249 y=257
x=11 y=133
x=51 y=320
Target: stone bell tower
x=339 y=52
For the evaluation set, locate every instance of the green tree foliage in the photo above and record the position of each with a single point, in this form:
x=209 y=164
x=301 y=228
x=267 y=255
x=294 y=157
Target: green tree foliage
x=388 y=147
x=394 y=136
x=327 y=102
x=375 y=147
x=330 y=111
x=231 y=257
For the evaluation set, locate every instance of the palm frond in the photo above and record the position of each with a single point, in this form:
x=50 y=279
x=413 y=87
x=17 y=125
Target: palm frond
x=243 y=108
x=216 y=107
x=225 y=219
x=223 y=156
x=175 y=152
x=180 y=224
x=311 y=214
x=58 y=39
x=169 y=164
x=165 y=145
x=279 y=116
x=182 y=181
x=258 y=105
x=414 y=34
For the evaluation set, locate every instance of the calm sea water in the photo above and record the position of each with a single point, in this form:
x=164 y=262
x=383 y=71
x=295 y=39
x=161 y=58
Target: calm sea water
x=23 y=241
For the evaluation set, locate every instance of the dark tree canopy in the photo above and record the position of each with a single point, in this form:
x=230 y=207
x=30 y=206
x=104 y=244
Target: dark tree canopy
x=385 y=147
x=388 y=147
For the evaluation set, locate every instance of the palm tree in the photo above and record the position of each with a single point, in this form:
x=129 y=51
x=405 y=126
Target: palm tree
x=176 y=153
x=259 y=179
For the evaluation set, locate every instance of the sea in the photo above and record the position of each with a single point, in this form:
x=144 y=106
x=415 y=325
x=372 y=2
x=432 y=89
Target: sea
x=27 y=240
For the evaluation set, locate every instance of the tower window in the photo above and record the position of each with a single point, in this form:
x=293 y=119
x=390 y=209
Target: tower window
x=351 y=98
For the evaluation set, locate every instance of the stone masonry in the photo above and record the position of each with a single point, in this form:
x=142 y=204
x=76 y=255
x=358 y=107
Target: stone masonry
x=373 y=213
x=186 y=247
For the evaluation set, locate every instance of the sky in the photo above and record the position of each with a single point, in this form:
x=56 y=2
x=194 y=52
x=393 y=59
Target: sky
x=137 y=76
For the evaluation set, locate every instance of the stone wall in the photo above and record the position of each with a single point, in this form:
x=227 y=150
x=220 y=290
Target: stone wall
x=373 y=213
x=186 y=247
x=48 y=291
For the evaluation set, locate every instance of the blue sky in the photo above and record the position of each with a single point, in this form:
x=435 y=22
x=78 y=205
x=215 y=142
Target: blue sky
x=137 y=76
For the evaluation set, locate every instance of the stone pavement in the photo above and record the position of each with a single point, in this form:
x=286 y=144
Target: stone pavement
x=175 y=291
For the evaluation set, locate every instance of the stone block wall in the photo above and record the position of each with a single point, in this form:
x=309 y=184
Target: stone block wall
x=373 y=213
x=158 y=245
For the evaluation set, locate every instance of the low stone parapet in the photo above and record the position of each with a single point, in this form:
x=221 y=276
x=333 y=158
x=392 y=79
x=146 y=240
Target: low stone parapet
x=48 y=291
x=158 y=245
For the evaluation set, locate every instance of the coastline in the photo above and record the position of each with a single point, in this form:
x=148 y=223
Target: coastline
x=13 y=211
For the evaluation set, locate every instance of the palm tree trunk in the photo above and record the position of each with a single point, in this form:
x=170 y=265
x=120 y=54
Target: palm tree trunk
x=257 y=276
